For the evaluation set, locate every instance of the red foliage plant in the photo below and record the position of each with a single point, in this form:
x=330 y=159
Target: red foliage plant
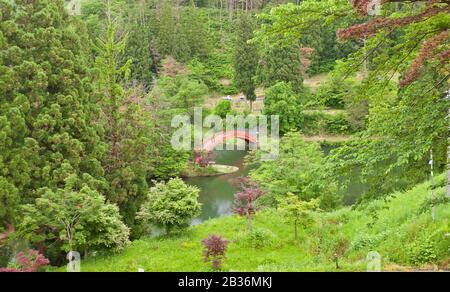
x=427 y=52
x=244 y=201
x=429 y=46
x=27 y=262
x=214 y=250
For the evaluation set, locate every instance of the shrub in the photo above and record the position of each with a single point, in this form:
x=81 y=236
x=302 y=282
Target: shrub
x=223 y=108
x=259 y=238
x=422 y=251
x=170 y=205
x=32 y=261
x=214 y=248
x=245 y=200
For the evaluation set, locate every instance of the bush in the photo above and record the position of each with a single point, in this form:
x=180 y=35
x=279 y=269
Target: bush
x=258 y=238
x=31 y=261
x=320 y=123
x=337 y=124
x=422 y=251
x=170 y=205
x=223 y=108
x=214 y=248
x=335 y=93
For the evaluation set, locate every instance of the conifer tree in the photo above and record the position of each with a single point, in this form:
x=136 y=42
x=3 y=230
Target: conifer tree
x=124 y=121
x=281 y=64
x=47 y=128
x=245 y=59
x=139 y=47
x=194 y=31
x=166 y=33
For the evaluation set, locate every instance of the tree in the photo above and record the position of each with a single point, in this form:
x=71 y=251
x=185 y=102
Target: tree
x=166 y=32
x=140 y=49
x=223 y=108
x=281 y=100
x=194 y=31
x=214 y=248
x=245 y=59
x=434 y=14
x=300 y=169
x=182 y=93
x=282 y=64
x=47 y=106
x=77 y=215
x=245 y=200
x=297 y=211
x=406 y=42
x=170 y=205
x=125 y=122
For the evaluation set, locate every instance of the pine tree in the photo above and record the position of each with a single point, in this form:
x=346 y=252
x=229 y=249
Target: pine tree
x=194 y=31
x=166 y=32
x=124 y=120
x=139 y=47
x=46 y=114
x=245 y=59
x=281 y=64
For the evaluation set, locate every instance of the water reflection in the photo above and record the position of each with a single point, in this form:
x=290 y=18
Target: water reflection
x=217 y=192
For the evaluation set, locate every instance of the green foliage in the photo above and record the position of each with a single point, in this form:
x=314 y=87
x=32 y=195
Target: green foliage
x=422 y=251
x=46 y=110
x=281 y=64
x=323 y=123
x=170 y=205
x=141 y=49
x=223 y=108
x=183 y=93
x=270 y=247
x=245 y=58
x=300 y=170
x=281 y=100
x=296 y=211
x=259 y=238
x=335 y=93
x=79 y=218
x=125 y=124
x=212 y=71
x=182 y=32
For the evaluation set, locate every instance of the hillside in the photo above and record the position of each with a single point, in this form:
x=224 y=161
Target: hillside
x=400 y=227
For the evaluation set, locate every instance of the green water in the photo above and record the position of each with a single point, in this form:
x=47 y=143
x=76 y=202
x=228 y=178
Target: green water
x=217 y=192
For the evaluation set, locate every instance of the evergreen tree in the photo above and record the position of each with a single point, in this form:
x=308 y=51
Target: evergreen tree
x=194 y=31
x=281 y=64
x=166 y=32
x=140 y=49
x=245 y=59
x=46 y=114
x=126 y=130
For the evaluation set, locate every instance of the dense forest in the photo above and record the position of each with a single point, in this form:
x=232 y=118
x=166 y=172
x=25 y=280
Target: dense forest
x=89 y=90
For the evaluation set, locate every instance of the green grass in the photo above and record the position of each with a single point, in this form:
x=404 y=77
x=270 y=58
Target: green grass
x=405 y=238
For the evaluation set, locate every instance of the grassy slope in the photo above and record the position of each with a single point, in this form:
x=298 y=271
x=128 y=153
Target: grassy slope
x=401 y=234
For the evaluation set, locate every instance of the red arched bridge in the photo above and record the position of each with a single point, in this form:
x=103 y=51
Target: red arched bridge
x=220 y=138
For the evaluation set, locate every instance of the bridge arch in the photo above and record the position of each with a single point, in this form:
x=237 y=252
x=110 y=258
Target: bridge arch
x=221 y=137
